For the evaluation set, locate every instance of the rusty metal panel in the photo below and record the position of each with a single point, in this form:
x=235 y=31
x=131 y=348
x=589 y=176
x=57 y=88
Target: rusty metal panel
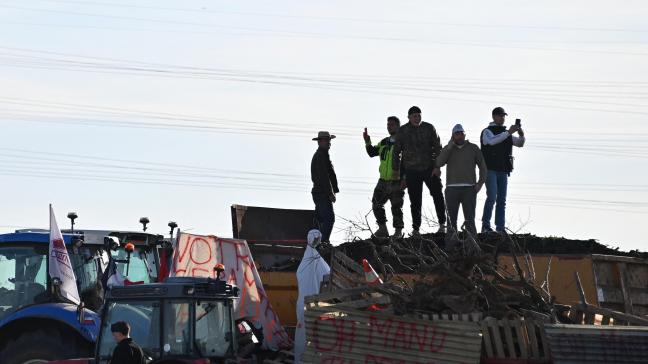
x=622 y=283
x=338 y=335
x=276 y=237
x=271 y=225
x=597 y=344
x=281 y=289
x=561 y=275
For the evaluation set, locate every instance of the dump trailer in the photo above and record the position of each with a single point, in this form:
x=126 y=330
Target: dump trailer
x=277 y=239
x=36 y=323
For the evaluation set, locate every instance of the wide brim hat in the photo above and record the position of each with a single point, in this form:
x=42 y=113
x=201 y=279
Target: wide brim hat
x=324 y=135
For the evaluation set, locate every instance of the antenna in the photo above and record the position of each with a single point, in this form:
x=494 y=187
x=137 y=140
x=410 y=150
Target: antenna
x=144 y=221
x=172 y=225
x=72 y=216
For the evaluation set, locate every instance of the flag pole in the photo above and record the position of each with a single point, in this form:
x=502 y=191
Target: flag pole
x=47 y=260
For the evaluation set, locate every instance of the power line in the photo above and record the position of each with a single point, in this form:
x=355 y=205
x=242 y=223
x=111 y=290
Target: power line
x=47 y=164
x=229 y=75
x=349 y=19
x=329 y=35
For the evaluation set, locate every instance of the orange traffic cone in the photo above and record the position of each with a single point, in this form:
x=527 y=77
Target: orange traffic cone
x=371 y=276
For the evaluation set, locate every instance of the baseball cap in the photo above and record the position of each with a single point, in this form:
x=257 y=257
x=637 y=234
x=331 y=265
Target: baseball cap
x=413 y=110
x=499 y=111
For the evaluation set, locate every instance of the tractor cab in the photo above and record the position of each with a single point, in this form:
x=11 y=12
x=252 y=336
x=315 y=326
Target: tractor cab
x=24 y=267
x=183 y=320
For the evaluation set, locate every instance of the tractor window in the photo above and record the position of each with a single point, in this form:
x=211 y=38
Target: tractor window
x=213 y=328
x=23 y=277
x=177 y=329
x=86 y=271
x=144 y=320
x=138 y=271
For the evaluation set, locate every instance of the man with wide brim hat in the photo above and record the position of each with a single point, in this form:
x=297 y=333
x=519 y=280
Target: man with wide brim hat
x=324 y=135
x=325 y=184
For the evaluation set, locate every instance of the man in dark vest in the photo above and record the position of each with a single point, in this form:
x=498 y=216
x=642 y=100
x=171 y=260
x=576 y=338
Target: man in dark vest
x=497 y=147
x=325 y=184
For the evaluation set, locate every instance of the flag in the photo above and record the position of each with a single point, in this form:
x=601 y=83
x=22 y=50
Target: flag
x=59 y=262
x=112 y=277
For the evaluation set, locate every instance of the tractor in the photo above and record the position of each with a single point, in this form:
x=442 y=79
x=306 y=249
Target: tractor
x=36 y=323
x=183 y=320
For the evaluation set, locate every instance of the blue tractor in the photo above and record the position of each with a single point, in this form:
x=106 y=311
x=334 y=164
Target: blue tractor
x=38 y=325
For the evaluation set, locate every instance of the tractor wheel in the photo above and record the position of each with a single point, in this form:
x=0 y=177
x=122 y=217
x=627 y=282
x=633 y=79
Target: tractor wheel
x=41 y=346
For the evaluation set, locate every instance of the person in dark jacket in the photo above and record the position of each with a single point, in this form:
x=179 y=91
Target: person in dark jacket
x=325 y=184
x=415 y=152
x=497 y=146
x=126 y=351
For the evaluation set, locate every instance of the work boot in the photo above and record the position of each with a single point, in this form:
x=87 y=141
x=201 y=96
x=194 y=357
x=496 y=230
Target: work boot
x=442 y=229
x=382 y=231
x=415 y=233
x=486 y=230
x=398 y=233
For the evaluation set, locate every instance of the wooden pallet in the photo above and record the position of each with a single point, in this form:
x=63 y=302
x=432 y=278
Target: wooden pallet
x=358 y=298
x=518 y=338
x=345 y=273
x=586 y=314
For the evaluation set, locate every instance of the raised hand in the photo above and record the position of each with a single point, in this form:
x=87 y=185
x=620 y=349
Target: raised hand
x=513 y=129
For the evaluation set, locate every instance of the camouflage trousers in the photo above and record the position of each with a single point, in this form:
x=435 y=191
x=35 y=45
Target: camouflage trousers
x=388 y=191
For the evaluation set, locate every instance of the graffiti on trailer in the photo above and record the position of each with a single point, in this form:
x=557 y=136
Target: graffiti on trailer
x=196 y=256
x=369 y=359
x=381 y=332
x=334 y=337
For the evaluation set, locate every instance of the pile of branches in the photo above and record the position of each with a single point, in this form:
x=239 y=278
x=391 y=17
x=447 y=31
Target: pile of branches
x=461 y=278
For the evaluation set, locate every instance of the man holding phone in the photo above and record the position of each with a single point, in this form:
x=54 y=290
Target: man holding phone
x=497 y=147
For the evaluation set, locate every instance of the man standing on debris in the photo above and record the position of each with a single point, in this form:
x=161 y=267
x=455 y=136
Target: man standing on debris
x=388 y=187
x=417 y=146
x=497 y=146
x=462 y=187
x=325 y=184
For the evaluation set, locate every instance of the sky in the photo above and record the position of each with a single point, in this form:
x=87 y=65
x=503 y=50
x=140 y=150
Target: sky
x=177 y=110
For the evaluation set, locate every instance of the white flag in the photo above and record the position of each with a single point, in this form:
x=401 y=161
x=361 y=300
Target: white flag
x=59 y=262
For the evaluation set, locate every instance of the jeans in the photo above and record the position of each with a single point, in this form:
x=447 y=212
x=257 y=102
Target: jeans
x=496 y=185
x=415 y=180
x=324 y=214
x=388 y=191
x=466 y=196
